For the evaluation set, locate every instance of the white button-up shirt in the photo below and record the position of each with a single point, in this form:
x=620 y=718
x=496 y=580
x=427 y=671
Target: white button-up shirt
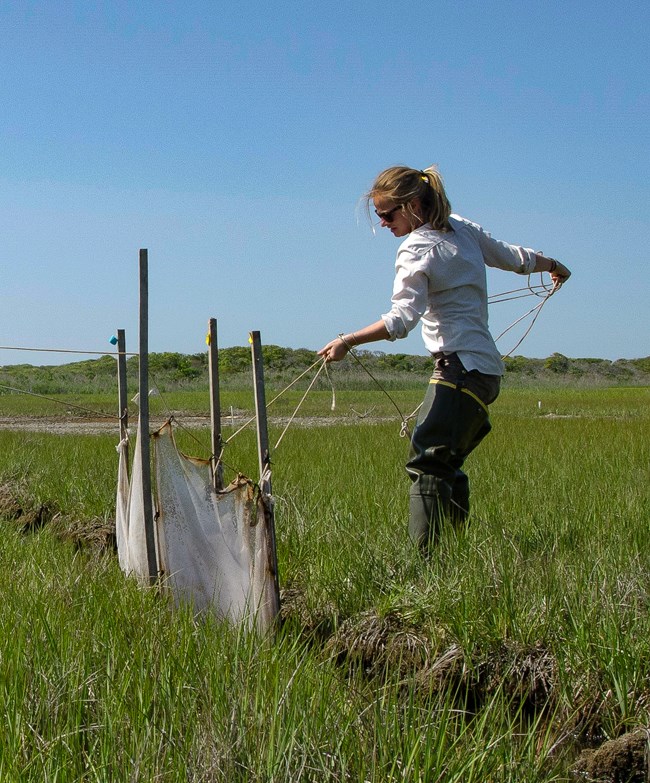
x=440 y=281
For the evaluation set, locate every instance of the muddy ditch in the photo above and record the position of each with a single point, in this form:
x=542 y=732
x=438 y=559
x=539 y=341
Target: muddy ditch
x=430 y=664
x=17 y=510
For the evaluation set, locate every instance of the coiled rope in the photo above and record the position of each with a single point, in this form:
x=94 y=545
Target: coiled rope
x=542 y=290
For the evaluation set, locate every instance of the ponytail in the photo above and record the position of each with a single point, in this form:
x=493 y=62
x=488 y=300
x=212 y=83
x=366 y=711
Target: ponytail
x=402 y=185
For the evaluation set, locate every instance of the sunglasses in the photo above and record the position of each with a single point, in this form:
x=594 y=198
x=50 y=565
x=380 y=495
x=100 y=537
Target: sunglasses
x=388 y=216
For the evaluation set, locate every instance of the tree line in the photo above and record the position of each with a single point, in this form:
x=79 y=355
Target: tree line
x=190 y=371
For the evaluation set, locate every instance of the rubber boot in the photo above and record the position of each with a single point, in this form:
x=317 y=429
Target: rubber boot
x=459 y=504
x=429 y=502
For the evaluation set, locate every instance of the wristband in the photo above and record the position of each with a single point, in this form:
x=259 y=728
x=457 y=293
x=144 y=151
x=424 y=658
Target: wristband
x=345 y=342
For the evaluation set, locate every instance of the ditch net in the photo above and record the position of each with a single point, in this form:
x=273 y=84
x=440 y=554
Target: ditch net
x=214 y=549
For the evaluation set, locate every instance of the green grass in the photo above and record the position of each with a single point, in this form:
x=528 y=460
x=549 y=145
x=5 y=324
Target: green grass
x=542 y=605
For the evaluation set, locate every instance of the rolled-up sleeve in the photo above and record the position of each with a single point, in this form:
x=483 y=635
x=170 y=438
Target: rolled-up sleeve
x=410 y=295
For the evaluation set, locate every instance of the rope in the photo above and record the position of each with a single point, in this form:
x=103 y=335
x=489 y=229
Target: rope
x=67 y=350
x=99 y=414
x=331 y=383
x=294 y=381
x=534 y=290
x=365 y=369
x=187 y=430
x=539 y=289
x=243 y=427
x=225 y=442
x=498 y=298
x=304 y=397
x=277 y=397
x=219 y=459
x=404 y=430
x=530 y=326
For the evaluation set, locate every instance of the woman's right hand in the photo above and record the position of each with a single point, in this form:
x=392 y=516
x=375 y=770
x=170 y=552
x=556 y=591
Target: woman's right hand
x=334 y=351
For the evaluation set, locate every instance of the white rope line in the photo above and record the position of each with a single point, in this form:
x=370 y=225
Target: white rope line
x=521 y=318
x=246 y=423
x=498 y=298
x=268 y=405
x=99 y=414
x=540 y=289
x=295 y=380
x=323 y=364
x=331 y=383
x=67 y=350
x=236 y=432
x=511 y=298
x=353 y=353
x=304 y=397
x=404 y=429
x=530 y=326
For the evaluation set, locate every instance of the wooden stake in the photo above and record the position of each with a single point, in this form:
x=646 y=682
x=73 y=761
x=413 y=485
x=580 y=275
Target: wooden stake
x=143 y=421
x=263 y=447
x=121 y=389
x=215 y=405
x=260 y=413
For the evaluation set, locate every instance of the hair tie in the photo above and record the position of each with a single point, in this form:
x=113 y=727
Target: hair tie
x=424 y=177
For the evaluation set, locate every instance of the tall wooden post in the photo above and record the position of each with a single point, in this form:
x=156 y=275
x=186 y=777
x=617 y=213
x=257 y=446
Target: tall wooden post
x=263 y=444
x=215 y=405
x=143 y=421
x=121 y=389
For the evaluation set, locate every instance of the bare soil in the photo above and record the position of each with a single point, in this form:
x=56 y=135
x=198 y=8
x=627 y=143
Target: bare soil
x=621 y=760
x=57 y=425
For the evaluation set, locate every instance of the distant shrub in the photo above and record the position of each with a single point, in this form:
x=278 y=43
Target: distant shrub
x=641 y=364
x=557 y=363
x=520 y=364
x=232 y=360
x=164 y=361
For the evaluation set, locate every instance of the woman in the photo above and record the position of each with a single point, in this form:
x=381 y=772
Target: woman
x=440 y=281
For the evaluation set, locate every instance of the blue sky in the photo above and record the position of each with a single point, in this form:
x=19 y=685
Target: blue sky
x=235 y=140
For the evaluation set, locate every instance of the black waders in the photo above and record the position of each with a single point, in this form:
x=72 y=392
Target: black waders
x=452 y=421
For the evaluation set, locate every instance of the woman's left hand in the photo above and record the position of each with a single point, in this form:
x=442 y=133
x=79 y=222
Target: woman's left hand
x=559 y=275
x=558 y=272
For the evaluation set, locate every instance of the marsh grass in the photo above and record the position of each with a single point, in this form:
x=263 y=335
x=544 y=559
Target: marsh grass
x=103 y=681
x=522 y=638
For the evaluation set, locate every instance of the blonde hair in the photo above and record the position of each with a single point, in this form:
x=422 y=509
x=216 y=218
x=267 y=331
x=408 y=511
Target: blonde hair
x=402 y=185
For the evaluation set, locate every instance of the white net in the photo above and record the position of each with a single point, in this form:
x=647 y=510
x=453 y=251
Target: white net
x=215 y=549
x=129 y=517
